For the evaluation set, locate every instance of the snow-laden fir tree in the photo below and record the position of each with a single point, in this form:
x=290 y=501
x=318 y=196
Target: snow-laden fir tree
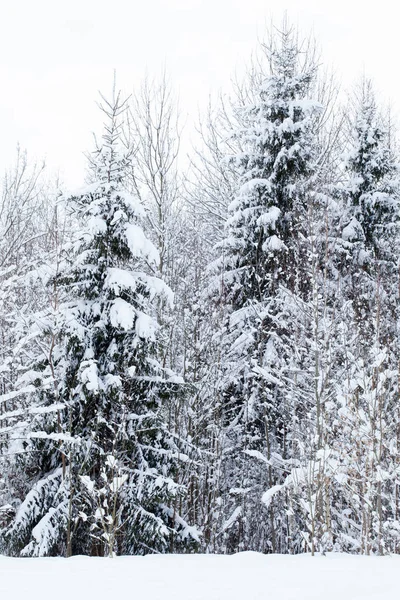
x=101 y=459
x=211 y=192
x=265 y=263
x=369 y=394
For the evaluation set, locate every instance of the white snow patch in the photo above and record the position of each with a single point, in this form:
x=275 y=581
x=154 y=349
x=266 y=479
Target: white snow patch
x=353 y=231
x=146 y=326
x=89 y=376
x=122 y=314
x=120 y=279
x=270 y=217
x=139 y=244
x=269 y=494
x=247 y=575
x=273 y=243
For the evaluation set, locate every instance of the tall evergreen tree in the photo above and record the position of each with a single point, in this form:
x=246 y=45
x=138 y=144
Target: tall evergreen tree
x=265 y=260
x=370 y=285
x=101 y=457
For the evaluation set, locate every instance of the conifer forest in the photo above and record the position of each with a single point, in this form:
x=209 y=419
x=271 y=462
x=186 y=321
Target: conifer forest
x=200 y=344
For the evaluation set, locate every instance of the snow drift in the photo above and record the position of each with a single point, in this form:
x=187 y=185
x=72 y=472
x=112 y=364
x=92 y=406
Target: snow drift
x=245 y=576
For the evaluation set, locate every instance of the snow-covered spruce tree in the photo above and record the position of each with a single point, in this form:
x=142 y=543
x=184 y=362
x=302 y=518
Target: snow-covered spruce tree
x=103 y=466
x=265 y=261
x=212 y=182
x=369 y=393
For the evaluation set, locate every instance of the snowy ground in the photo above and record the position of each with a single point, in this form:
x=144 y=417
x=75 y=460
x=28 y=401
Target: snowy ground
x=246 y=576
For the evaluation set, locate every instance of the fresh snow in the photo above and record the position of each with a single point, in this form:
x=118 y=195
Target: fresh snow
x=245 y=576
x=139 y=244
x=122 y=314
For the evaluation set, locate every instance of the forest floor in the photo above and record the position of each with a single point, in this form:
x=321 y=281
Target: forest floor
x=245 y=576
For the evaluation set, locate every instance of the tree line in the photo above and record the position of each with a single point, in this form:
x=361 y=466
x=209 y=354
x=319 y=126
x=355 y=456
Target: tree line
x=205 y=358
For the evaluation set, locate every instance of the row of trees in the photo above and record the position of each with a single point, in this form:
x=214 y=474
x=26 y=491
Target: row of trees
x=254 y=406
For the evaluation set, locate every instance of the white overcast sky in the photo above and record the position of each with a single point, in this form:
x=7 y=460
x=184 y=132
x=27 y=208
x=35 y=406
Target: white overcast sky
x=55 y=56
